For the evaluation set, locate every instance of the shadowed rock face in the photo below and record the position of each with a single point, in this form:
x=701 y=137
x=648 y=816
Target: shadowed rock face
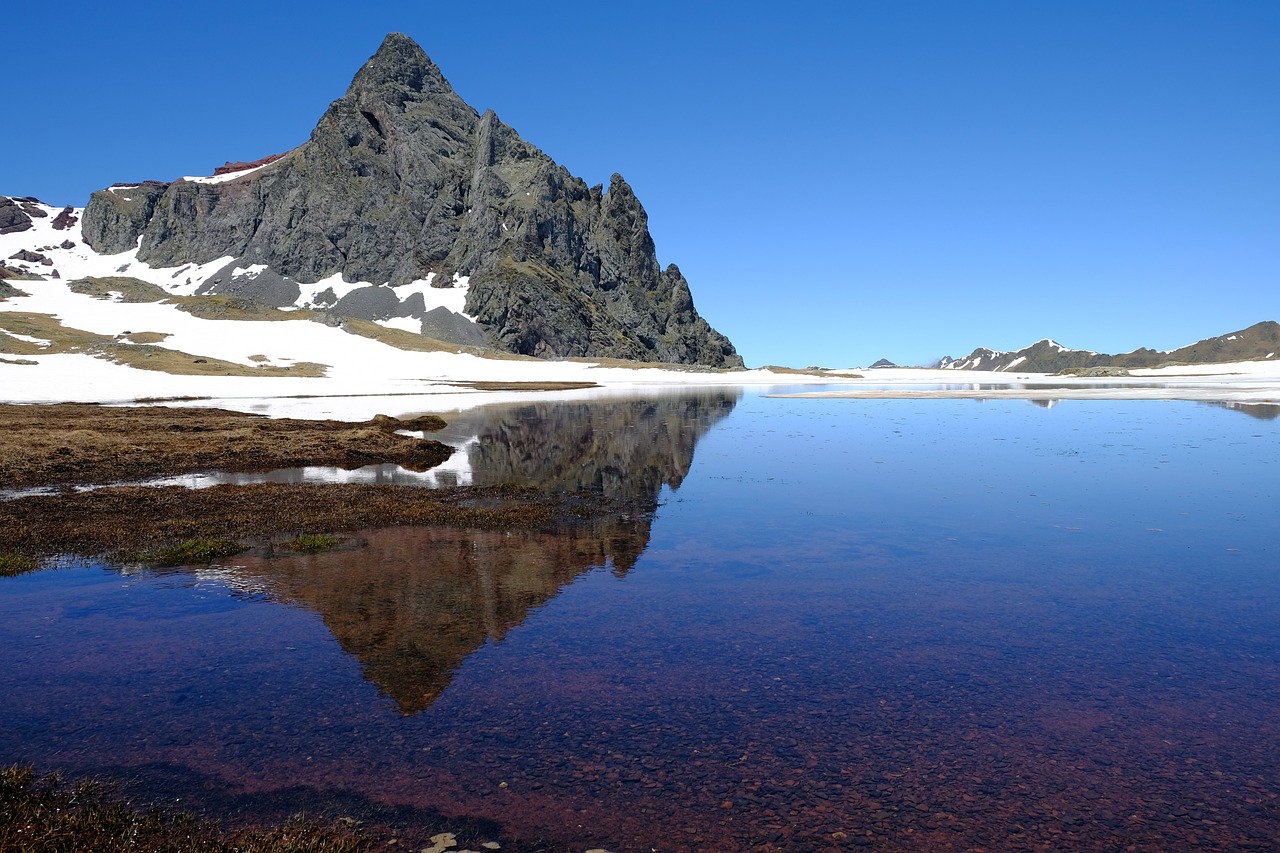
x=402 y=178
x=414 y=602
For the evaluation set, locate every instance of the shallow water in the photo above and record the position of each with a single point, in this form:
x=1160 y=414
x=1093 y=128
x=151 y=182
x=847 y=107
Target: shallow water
x=913 y=625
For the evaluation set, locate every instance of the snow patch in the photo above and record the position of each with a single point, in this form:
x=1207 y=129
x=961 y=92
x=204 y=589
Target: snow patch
x=40 y=342
x=222 y=179
x=408 y=324
x=251 y=272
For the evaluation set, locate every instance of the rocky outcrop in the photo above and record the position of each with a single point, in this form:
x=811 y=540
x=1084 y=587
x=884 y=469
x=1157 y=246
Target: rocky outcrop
x=12 y=217
x=400 y=179
x=230 y=168
x=1259 y=342
x=31 y=257
x=65 y=219
x=115 y=218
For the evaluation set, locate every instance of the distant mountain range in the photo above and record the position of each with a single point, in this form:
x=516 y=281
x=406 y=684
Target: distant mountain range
x=404 y=191
x=1259 y=342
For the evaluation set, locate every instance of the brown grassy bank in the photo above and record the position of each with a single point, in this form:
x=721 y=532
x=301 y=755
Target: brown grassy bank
x=71 y=443
x=86 y=443
x=141 y=523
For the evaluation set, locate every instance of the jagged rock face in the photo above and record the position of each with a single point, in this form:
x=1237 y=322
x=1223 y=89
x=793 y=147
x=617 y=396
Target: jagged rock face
x=401 y=178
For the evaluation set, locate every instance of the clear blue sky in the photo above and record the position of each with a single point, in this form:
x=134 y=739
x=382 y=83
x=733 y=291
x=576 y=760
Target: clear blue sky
x=839 y=181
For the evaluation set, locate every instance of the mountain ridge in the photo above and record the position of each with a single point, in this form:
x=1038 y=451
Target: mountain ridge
x=1259 y=342
x=401 y=182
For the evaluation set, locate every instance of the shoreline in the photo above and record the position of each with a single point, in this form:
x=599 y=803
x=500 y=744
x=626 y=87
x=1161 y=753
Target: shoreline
x=63 y=446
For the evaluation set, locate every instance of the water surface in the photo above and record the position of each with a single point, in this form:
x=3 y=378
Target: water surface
x=904 y=625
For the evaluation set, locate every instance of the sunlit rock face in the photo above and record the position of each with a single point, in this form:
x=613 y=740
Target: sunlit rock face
x=402 y=180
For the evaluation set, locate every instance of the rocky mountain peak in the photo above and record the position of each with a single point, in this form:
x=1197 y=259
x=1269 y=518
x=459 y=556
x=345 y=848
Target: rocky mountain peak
x=400 y=63
x=402 y=180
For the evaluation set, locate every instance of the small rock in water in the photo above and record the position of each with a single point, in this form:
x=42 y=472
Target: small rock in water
x=440 y=843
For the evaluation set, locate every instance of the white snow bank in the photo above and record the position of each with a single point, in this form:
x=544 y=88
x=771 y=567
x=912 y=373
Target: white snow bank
x=222 y=179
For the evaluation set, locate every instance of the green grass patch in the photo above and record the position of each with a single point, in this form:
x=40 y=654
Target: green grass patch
x=188 y=551
x=12 y=565
x=310 y=543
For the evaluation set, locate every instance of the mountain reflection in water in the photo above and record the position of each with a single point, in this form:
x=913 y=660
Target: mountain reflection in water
x=414 y=602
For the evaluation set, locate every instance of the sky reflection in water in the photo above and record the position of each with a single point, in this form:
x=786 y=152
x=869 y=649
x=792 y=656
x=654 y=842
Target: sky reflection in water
x=926 y=624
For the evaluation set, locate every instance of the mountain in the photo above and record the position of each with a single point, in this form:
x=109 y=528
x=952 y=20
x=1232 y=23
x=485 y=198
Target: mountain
x=1259 y=342
x=403 y=186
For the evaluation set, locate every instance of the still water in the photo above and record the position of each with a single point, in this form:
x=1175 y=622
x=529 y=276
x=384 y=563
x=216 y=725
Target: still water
x=884 y=624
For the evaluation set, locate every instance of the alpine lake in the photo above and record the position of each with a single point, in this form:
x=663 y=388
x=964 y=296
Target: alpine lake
x=846 y=624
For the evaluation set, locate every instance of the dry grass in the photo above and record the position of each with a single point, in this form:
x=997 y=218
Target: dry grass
x=810 y=371
x=118 y=289
x=145 y=337
x=175 y=525
x=479 y=385
x=413 y=342
x=47 y=813
x=85 y=443
x=144 y=356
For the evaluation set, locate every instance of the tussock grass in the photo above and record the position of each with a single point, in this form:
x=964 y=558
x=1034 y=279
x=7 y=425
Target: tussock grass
x=40 y=814
x=14 y=564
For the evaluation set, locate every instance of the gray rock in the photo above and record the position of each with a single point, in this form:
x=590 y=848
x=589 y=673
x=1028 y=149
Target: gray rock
x=401 y=178
x=369 y=303
x=413 y=306
x=265 y=286
x=325 y=297
x=445 y=325
x=115 y=218
x=12 y=217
